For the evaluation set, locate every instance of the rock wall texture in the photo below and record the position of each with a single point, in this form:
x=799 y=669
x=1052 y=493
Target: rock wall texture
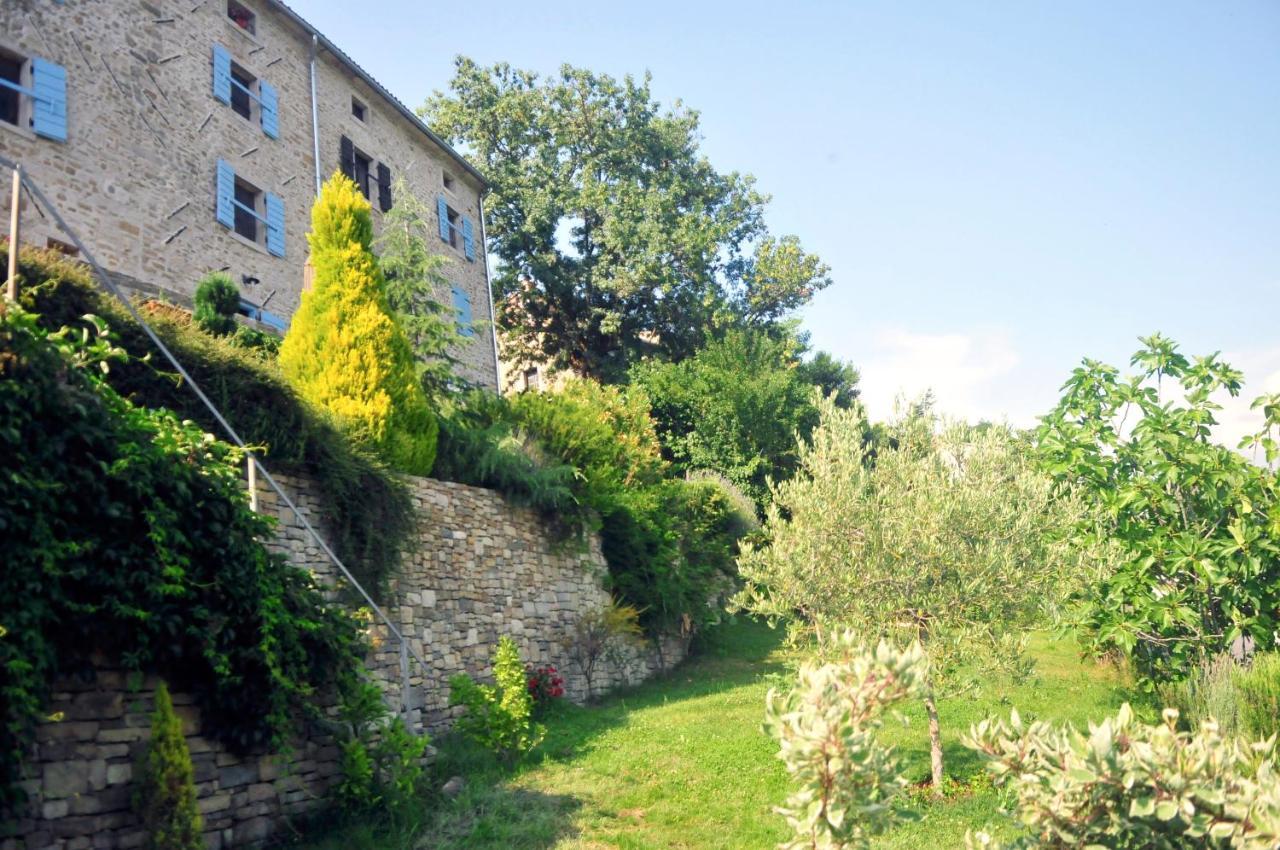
x=135 y=177
x=478 y=569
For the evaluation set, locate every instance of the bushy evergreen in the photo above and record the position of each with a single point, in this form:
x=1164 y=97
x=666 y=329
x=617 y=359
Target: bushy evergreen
x=344 y=351
x=217 y=301
x=165 y=795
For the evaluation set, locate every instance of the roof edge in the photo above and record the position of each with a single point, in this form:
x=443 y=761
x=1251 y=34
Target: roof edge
x=364 y=75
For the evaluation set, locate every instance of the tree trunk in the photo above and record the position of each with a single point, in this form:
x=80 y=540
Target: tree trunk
x=935 y=742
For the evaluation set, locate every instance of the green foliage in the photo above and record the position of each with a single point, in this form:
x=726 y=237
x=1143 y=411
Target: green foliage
x=1258 y=687
x=826 y=726
x=597 y=633
x=482 y=444
x=414 y=275
x=660 y=243
x=1243 y=698
x=735 y=407
x=381 y=760
x=165 y=791
x=1127 y=784
x=262 y=343
x=217 y=302
x=344 y=351
x=127 y=532
x=951 y=538
x=832 y=377
x=366 y=512
x=499 y=717
x=1195 y=527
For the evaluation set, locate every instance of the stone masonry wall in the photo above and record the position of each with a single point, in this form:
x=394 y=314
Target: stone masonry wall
x=477 y=569
x=135 y=178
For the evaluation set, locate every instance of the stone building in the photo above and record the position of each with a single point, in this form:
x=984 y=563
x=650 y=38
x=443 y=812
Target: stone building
x=179 y=137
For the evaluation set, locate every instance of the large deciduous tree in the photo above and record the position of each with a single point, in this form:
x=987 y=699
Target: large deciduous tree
x=629 y=241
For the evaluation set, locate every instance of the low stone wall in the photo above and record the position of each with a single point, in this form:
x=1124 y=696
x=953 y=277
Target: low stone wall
x=478 y=569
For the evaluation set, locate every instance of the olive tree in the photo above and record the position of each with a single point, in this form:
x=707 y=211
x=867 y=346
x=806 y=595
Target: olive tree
x=949 y=537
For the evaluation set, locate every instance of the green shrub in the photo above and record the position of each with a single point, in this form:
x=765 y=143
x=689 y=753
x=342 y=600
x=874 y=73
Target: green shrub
x=262 y=343
x=481 y=444
x=595 y=634
x=217 y=302
x=1192 y=523
x=365 y=512
x=344 y=351
x=381 y=760
x=165 y=790
x=127 y=532
x=1258 y=695
x=826 y=725
x=1127 y=784
x=1208 y=693
x=498 y=717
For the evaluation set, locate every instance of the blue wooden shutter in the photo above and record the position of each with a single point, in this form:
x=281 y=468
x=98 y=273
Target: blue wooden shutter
x=275 y=225
x=49 y=99
x=468 y=240
x=462 y=306
x=225 y=194
x=442 y=207
x=384 y=187
x=221 y=73
x=269 y=102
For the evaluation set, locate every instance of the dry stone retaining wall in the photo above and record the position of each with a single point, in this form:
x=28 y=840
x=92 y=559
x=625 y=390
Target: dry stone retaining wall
x=477 y=569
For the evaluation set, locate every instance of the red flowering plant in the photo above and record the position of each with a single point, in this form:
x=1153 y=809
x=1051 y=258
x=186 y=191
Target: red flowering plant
x=545 y=686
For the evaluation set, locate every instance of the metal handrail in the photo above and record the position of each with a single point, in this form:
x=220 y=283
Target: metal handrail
x=254 y=464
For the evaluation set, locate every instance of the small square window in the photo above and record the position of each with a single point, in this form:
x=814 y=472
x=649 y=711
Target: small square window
x=455 y=224
x=244 y=91
x=448 y=180
x=242 y=17
x=358 y=109
x=13 y=70
x=364 y=164
x=61 y=247
x=249 y=210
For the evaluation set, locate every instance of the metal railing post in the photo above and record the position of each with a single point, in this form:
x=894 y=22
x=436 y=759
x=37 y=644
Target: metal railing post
x=11 y=287
x=253 y=482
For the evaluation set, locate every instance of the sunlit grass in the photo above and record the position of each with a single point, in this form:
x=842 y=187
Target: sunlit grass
x=682 y=762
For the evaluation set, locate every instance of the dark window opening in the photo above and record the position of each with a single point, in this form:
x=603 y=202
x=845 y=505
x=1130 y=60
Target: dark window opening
x=241 y=85
x=62 y=247
x=363 y=166
x=241 y=16
x=455 y=226
x=10 y=100
x=246 y=209
x=448 y=181
x=357 y=109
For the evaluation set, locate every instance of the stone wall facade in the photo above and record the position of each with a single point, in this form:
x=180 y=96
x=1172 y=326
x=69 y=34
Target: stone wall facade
x=136 y=176
x=477 y=569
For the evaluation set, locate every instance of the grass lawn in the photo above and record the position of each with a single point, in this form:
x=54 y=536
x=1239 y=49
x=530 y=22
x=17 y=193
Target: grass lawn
x=682 y=762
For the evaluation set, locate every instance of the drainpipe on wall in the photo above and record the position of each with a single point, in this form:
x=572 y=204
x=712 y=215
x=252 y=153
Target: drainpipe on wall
x=315 y=115
x=488 y=285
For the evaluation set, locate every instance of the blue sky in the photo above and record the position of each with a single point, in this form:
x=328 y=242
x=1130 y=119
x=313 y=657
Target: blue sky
x=1000 y=188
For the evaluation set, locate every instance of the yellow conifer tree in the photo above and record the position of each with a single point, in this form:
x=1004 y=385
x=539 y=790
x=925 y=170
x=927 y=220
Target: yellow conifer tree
x=344 y=350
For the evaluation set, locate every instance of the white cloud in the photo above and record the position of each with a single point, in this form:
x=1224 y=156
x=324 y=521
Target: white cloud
x=1261 y=368
x=964 y=370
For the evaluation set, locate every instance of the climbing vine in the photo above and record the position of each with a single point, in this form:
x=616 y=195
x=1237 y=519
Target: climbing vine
x=126 y=533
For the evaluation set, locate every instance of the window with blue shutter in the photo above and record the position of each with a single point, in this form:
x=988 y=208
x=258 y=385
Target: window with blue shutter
x=275 y=225
x=442 y=207
x=49 y=99
x=236 y=87
x=269 y=102
x=226 y=195
x=462 y=306
x=468 y=240
x=221 y=73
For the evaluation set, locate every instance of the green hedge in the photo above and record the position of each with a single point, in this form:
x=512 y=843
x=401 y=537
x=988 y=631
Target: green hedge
x=126 y=532
x=366 y=512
